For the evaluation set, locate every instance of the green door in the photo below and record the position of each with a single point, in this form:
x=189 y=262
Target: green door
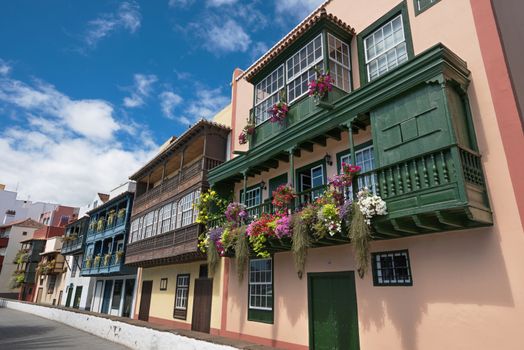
x=333 y=322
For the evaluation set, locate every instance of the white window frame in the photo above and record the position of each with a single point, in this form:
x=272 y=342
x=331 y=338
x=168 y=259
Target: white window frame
x=296 y=75
x=368 y=60
x=335 y=62
x=166 y=217
x=182 y=291
x=185 y=210
x=380 y=280
x=259 y=119
x=370 y=181
x=256 y=280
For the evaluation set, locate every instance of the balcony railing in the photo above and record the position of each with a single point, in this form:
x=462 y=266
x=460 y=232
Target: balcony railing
x=71 y=246
x=103 y=264
x=168 y=188
x=106 y=229
x=169 y=245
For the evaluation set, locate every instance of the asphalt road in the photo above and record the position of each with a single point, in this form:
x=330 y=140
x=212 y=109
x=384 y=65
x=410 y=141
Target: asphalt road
x=20 y=330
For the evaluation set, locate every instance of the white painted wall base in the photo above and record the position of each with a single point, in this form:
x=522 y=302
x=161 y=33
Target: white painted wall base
x=128 y=335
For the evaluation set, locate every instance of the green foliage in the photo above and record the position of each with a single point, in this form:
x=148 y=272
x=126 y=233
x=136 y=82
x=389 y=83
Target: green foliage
x=360 y=235
x=241 y=253
x=258 y=243
x=211 y=207
x=301 y=242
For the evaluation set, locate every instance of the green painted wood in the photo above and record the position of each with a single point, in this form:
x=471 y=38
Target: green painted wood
x=333 y=321
x=298 y=111
x=275 y=182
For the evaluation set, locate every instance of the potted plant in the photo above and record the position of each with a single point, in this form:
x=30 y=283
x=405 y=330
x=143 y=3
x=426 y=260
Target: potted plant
x=107 y=259
x=100 y=225
x=89 y=261
x=111 y=217
x=249 y=129
x=121 y=214
x=278 y=112
x=321 y=86
x=119 y=255
x=97 y=260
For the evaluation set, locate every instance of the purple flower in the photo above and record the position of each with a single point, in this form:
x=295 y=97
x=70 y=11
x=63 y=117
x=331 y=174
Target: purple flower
x=283 y=228
x=345 y=209
x=215 y=234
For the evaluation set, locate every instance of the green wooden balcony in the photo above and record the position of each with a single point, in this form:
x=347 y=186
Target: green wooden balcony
x=427 y=165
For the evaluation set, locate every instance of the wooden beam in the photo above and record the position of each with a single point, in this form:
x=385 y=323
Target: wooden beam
x=402 y=227
x=446 y=220
x=306 y=146
x=271 y=163
x=334 y=134
x=319 y=140
x=425 y=223
x=261 y=168
x=282 y=157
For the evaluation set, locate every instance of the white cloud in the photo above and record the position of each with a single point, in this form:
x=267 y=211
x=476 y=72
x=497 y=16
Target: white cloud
x=298 y=9
x=126 y=17
x=5 y=68
x=207 y=103
x=226 y=37
x=216 y=3
x=89 y=118
x=142 y=88
x=168 y=101
x=65 y=150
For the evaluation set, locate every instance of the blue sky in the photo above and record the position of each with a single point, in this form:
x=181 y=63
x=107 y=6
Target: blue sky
x=89 y=89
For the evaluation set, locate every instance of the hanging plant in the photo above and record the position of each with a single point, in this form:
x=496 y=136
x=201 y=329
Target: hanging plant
x=283 y=196
x=300 y=243
x=249 y=129
x=107 y=259
x=258 y=232
x=367 y=206
x=236 y=213
x=241 y=252
x=100 y=225
x=119 y=255
x=88 y=262
x=278 y=113
x=322 y=85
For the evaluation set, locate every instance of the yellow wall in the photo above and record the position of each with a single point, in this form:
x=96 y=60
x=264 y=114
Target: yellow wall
x=162 y=302
x=224 y=116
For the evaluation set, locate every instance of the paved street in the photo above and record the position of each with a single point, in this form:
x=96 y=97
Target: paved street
x=19 y=330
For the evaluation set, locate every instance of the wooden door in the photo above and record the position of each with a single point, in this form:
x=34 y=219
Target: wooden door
x=333 y=322
x=69 y=296
x=201 y=319
x=108 y=288
x=145 y=300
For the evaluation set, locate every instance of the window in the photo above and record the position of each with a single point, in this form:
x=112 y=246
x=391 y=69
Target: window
x=181 y=296
x=261 y=290
x=173 y=215
x=267 y=94
x=75 y=263
x=311 y=177
x=423 y=5
x=185 y=210
x=391 y=268
x=366 y=160
x=149 y=224
x=166 y=217
x=134 y=231
x=300 y=68
x=51 y=284
x=163 y=284
x=339 y=65
x=252 y=200
x=196 y=200
x=385 y=48
x=24 y=233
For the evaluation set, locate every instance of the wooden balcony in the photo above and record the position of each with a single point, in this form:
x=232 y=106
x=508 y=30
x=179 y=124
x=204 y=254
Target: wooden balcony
x=186 y=178
x=177 y=246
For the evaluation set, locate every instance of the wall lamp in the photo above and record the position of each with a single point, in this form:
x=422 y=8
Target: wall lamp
x=327 y=159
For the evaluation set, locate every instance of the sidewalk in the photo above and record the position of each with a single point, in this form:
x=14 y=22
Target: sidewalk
x=135 y=334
